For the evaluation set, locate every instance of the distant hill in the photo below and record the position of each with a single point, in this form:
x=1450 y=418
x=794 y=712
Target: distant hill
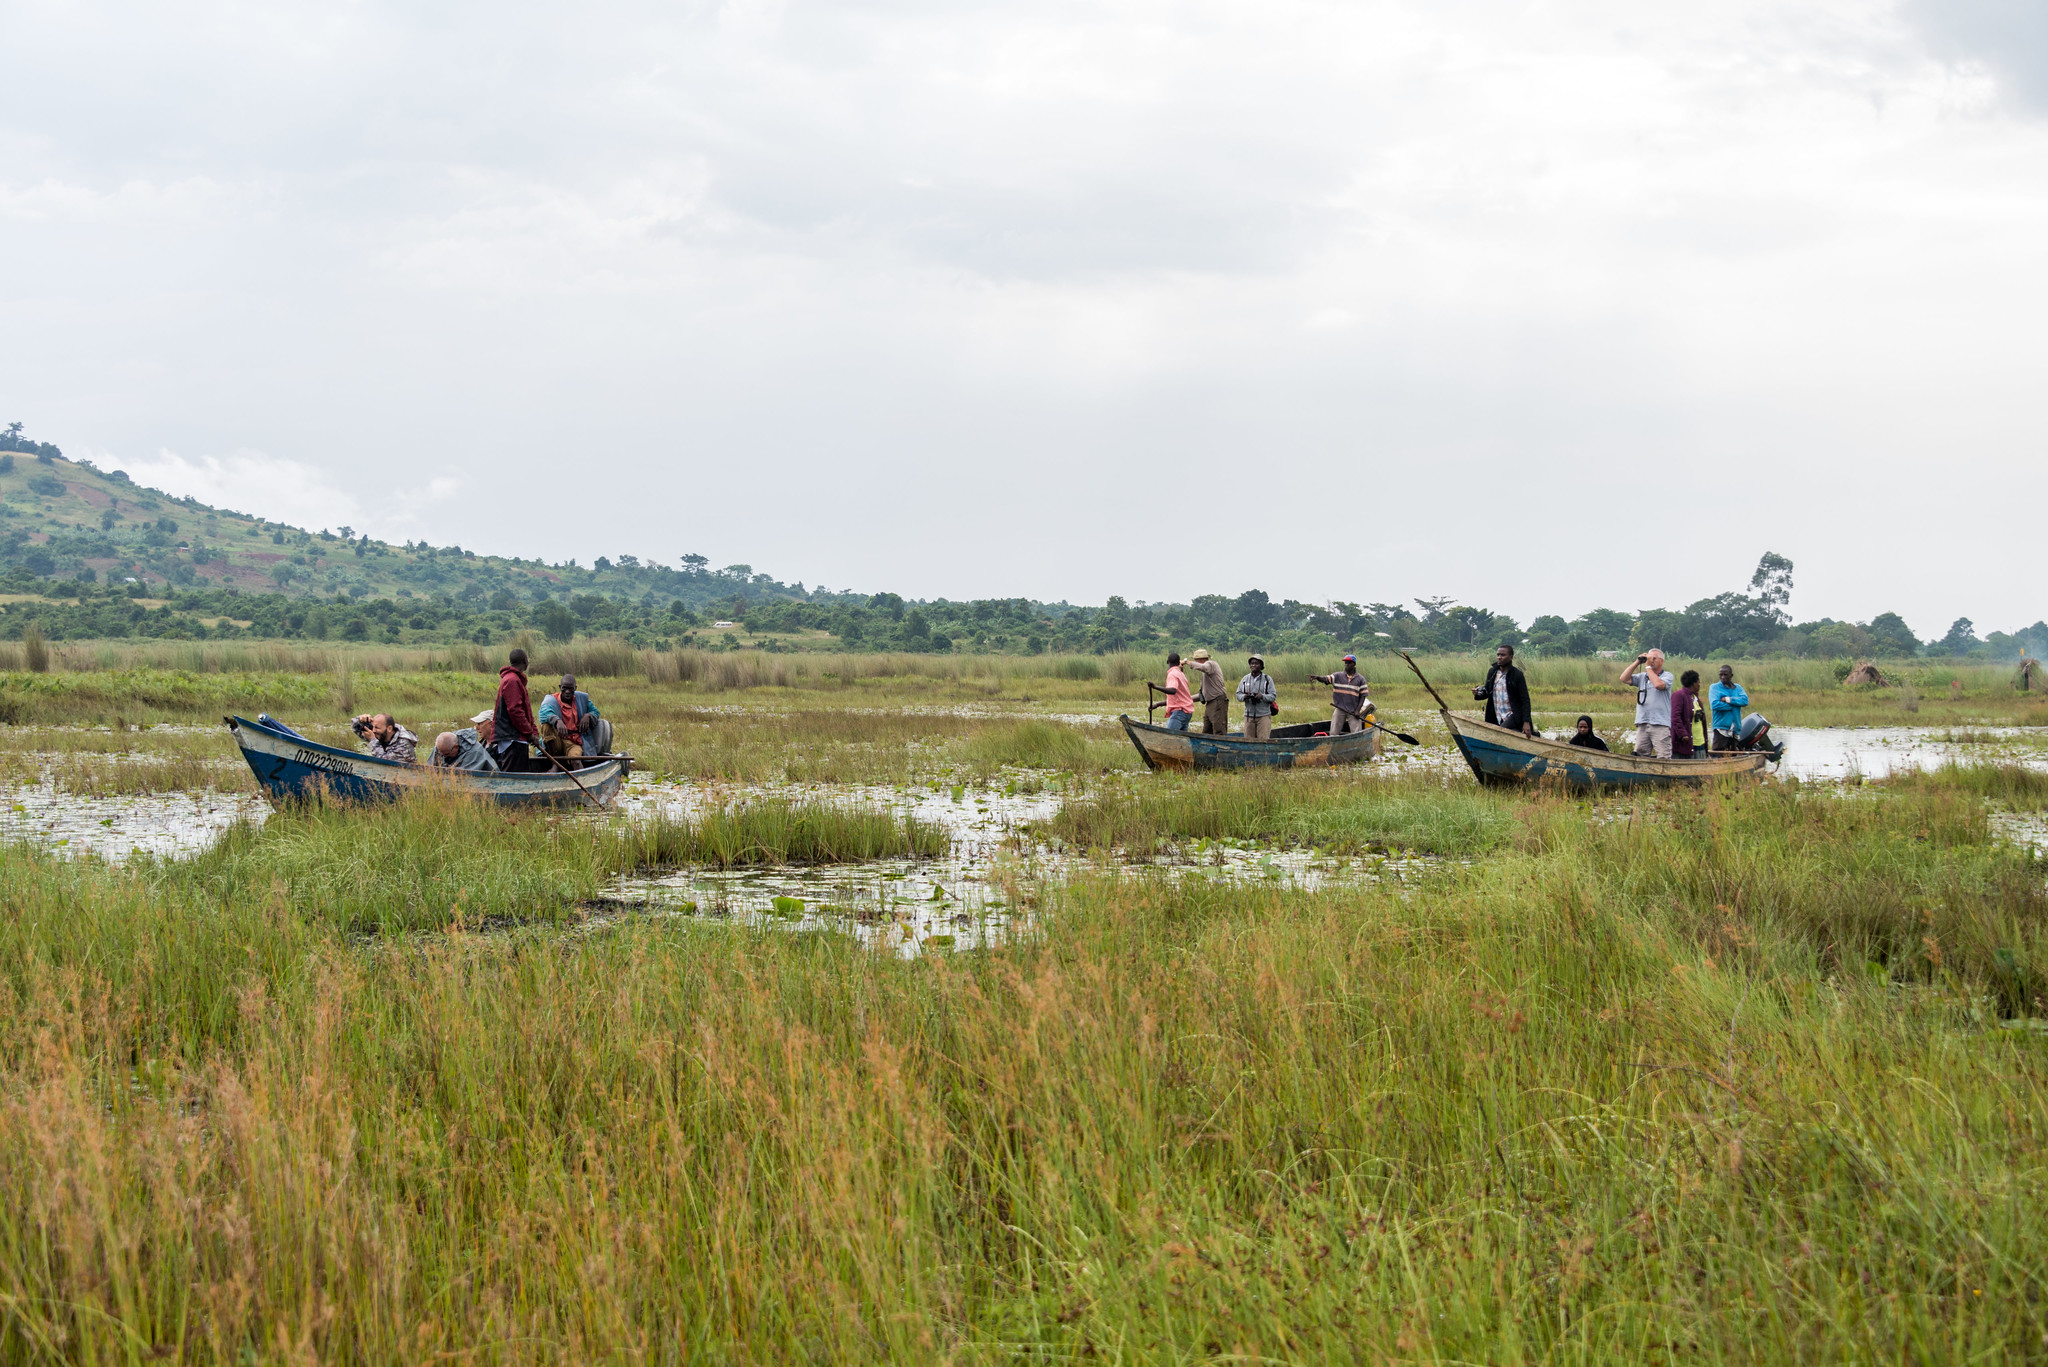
x=88 y=554
x=66 y=520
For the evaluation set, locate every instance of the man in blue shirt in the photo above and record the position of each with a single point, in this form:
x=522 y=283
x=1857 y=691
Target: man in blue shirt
x=1727 y=700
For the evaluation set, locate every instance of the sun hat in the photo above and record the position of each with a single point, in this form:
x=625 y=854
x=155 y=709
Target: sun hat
x=1259 y=658
x=1199 y=655
x=480 y=718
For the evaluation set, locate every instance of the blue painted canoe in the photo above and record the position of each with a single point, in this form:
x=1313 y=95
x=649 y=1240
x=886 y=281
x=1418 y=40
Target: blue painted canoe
x=289 y=766
x=1500 y=755
x=1292 y=747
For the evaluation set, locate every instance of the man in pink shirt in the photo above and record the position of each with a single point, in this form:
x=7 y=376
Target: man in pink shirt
x=1180 y=702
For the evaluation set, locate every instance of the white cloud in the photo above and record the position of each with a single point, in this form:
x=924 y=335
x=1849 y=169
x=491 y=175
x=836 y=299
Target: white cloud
x=292 y=492
x=932 y=297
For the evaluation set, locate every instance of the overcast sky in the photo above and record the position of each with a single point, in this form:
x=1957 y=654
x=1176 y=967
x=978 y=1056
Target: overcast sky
x=1544 y=306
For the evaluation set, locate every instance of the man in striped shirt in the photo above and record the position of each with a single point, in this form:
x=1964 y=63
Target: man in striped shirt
x=1347 y=697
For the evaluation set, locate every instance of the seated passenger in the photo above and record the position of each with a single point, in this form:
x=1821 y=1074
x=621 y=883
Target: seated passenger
x=465 y=750
x=570 y=731
x=388 y=740
x=1586 y=737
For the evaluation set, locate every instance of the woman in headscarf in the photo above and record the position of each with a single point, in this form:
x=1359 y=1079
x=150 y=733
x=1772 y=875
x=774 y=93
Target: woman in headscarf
x=1585 y=736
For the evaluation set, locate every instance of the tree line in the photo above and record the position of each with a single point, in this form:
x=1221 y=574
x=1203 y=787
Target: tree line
x=1751 y=622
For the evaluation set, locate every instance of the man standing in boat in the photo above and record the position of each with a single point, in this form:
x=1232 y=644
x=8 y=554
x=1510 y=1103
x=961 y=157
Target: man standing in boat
x=1260 y=698
x=1180 y=703
x=512 y=725
x=1653 y=703
x=1506 y=694
x=1347 y=697
x=1214 y=695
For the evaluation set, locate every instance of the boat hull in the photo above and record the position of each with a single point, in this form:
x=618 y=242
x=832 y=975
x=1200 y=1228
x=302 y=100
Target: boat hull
x=1164 y=749
x=292 y=768
x=1499 y=755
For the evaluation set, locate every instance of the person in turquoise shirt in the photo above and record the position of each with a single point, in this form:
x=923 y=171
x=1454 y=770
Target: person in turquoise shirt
x=1727 y=700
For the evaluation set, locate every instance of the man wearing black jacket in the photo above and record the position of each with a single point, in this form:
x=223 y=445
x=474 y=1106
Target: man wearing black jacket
x=1506 y=694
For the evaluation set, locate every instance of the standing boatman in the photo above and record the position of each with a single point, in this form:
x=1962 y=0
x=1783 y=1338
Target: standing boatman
x=512 y=725
x=1347 y=697
x=1214 y=695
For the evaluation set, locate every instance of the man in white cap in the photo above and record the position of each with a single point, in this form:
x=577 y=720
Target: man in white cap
x=1214 y=695
x=1260 y=698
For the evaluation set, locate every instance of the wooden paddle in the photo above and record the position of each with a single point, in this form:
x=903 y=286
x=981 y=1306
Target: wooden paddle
x=1397 y=735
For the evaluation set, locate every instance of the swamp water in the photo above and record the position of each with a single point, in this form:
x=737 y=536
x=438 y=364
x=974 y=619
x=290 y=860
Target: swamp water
x=997 y=864
x=994 y=872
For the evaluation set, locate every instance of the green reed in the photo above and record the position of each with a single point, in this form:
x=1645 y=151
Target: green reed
x=1727 y=1075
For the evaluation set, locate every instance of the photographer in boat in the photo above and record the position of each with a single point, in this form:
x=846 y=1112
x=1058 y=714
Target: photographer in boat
x=386 y=739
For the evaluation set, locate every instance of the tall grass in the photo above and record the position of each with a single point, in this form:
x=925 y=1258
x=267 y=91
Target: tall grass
x=1720 y=1079
x=1336 y=812
x=777 y=832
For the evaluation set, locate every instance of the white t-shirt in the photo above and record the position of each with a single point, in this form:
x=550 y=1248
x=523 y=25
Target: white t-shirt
x=1653 y=704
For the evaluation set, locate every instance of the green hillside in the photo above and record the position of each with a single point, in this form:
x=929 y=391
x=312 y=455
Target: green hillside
x=65 y=520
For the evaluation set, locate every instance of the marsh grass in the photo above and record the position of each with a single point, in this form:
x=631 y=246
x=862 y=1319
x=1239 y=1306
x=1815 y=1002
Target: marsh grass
x=1715 y=1077
x=1333 y=811
x=443 y=859
x=777 y=832
x=127 y=775
x=2013 y=785
x=198 y=681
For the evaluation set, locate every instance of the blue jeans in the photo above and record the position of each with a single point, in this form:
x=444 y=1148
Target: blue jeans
x=1178 y=721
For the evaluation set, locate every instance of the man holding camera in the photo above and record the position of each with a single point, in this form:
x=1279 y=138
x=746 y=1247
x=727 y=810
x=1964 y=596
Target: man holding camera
x=387 y=739
x=1260 y=698
x=1506 y=694
x=1653 y=703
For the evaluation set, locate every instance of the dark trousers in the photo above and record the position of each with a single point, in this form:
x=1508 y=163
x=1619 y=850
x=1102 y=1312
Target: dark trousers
x=513 y=759
x=1216 y=717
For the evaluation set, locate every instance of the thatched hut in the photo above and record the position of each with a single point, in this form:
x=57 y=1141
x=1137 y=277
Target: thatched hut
x=2028 y=676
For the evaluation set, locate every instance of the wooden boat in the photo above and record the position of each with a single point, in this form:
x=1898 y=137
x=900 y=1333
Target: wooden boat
x=1292 y=747
x=288 y=766
x=1500 y=754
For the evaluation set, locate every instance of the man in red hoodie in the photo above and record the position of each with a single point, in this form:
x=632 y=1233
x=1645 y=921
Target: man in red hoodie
x=512 y=725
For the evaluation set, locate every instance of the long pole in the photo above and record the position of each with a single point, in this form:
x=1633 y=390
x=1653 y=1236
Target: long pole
x=1442 y=706
x=587 y=796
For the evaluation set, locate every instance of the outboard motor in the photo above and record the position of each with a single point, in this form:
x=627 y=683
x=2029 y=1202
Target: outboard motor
x=1755 y=734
